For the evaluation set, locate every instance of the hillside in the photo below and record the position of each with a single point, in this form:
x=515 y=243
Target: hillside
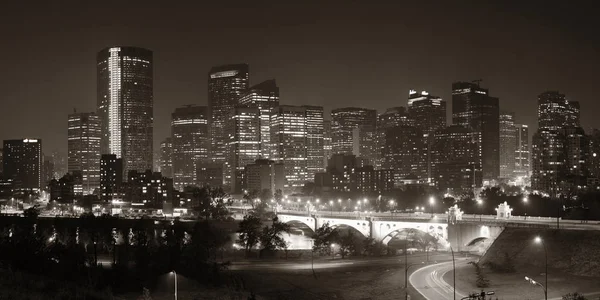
x=576 y=252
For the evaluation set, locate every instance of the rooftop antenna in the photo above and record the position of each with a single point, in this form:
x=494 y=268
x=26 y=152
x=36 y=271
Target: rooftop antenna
x=477 y=81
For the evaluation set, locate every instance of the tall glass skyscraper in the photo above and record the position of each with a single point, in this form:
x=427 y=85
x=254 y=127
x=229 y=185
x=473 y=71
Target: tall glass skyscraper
x=225 y=86
x=125 y=105
x=522 y=160
x=508 y=143
x=189 y=133
x=354 y=132
x=474 y=109
x=84 y=135
x=243 y=144
x=265 y=97
x=22 y=160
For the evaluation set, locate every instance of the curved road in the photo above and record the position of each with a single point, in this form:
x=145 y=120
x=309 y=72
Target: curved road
x=429 y=281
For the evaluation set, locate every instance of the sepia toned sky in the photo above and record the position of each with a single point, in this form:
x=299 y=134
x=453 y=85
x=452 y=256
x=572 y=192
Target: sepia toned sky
x=330 y=53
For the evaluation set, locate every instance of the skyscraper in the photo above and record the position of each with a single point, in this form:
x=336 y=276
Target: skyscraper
x=125 y=105
x=474 y=109
x=22 y=160
x=225 y=86
x=391 y=118
x=297 y=133
x=508 y=143
x=84 y=135
x=1 y=163
x=354 y=132
x=326 y=142
x=558 y=146
x=522 y=159
x=429 y=115
x=189 y=133
x=111 y=177
x=403 y=152
x=456 y=159
x=166 y=157
x=265 y=97
x=243 y=144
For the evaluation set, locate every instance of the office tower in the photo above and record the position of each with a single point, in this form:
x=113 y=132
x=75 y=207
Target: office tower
x=1 y=163
x=264 y=174
x=62 y=190
x=556 y=112
x=189 y=134
x=508 y=143
x=403 y=153
x=345 y=173
x=225 y=86
x=265 y=97
x=314 y=140
x=243 y=144
x=474 y=109
x=47 y=171
x=327 y=151
x=84 y=135
x=297 y=133
x=427 y=111
x=22 y=160
x=111 y=177
x=149 y=189
x=210 y=174
x=125 y=105
x=60 y=162
x=391 y=118
x=522 y=164
x=429 y=115
x=556 y=145
x=166 y=157
x=354 y=132
x=456 y=160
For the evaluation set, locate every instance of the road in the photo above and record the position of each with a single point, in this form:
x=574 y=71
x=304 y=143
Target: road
x=429 y=281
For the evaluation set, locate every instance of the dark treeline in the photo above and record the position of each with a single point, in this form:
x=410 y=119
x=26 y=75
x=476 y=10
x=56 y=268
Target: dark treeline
x=137 y=255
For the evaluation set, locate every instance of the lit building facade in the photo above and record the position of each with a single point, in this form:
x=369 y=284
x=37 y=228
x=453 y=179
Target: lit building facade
x=209 y=174
x=243 y=144
x=297 y=135
x=264 y=174
x=522 y=152
x=391 y=118
x=22 y=161
x=111 y=177
x=508 y=143
x=190 y=143
x=405 y=152
x=346 y=174
x=354 y=132
x=149 y=189
x=560 y=147
x=474 y=109
x=326 y=142
x=125 y=105
x=265 y=97
x=84 y=135
x=456 y=159
x=166 y=157
x=225 y=86
x=429 y=114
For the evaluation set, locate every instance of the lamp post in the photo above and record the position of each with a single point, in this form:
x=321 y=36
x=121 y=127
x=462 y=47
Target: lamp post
x=480 y=205
x=539 y=240
x=340 y=202
x=525 y=200
x=332 y=251
x=431 y=203
x=406 y=265
x=175 y=273
x=453 y=274
x=331 y=207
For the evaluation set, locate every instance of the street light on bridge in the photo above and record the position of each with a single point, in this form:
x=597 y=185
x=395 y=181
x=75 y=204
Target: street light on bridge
x=480 y=205
x=431 y=203
x=525 y=200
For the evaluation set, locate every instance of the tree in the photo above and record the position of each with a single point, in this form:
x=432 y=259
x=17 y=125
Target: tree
x=425 y=241
x=32 y=213
x=574 y=296
x=210 y=203
x=278 y=196
x=347 y=244
x=249 y=232
x=372 y=247
x=481 y=281
x=271 y=239
x=323 y=237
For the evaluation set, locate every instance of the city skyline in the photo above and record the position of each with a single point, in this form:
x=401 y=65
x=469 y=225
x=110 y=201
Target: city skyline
x=392 y=68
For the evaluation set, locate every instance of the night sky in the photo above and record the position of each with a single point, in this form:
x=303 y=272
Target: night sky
x=350 y=53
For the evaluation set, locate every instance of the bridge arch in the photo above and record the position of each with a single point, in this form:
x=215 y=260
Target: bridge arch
x=362 y=226
x=305 y=220
x=385 y=230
